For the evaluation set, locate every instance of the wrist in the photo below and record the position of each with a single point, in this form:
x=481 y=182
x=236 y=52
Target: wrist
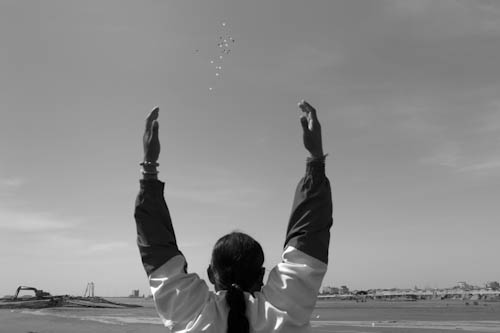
x=317 y=158
x=147 y=176
x=149 y=170
x=149 y=162
x=318 y=154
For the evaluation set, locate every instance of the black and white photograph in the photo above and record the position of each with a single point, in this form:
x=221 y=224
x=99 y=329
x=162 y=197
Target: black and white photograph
x=248 y=166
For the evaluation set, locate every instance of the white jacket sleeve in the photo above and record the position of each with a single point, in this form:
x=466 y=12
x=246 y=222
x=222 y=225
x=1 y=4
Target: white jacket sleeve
x=293 y=285
x=179 y=297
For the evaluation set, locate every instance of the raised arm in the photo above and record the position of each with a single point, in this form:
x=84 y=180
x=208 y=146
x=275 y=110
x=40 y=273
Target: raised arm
x=179 y=297
x=155 y=234
x=311 y=218
x=293 y=285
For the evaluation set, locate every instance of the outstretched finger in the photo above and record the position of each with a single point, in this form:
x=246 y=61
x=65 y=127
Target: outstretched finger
x=307 y=108
x=153 y=115
x=302 y=106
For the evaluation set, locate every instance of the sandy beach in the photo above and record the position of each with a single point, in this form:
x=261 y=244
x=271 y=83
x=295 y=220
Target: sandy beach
x=329 y=316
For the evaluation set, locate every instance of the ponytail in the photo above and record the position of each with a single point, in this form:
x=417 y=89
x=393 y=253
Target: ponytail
x=237 y=321
x=236 y=267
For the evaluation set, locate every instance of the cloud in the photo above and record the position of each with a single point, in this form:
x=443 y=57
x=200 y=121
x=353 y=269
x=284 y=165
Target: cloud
x=482 y=166
x=64 y=247
x=217 y=186
x=452 y=18
x=234 y=196
x=11 y=183
x=33 y=221
x=451 y=156
x=446 y=155
x=490 y=120
x=105 y=247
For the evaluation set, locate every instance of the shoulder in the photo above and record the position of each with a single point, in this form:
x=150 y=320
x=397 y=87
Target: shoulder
x=291 y=290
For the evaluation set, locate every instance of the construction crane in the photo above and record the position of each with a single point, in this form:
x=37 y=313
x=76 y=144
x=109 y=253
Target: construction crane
x=89 y=291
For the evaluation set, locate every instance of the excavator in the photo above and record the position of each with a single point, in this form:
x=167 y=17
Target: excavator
x=39 y=294
x=43 y=299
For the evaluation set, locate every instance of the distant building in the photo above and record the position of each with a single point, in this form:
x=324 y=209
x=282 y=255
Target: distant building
x=463 y=285
x=328 y=290
x=344 y=290
x=135 y=294
x=493 y=285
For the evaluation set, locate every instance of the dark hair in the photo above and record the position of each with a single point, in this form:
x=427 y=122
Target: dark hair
x=237 y=261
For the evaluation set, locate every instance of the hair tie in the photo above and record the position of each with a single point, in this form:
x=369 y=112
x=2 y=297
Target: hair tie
x=236 y=286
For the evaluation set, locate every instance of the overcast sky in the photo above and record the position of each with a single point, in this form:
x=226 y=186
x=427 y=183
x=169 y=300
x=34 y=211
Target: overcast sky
x=408 y=94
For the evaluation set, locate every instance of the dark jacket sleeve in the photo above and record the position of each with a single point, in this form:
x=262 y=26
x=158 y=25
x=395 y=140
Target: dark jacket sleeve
x=311 y=218
x=155 y=234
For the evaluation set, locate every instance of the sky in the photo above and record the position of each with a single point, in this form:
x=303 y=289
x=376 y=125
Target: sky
x=407 y=93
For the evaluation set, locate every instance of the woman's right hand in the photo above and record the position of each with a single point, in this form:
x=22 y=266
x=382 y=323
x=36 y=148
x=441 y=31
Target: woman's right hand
x=150 y=140
x=312 y=130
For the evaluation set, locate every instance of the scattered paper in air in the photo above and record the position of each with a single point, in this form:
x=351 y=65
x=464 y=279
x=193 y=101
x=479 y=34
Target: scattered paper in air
x=223 y=43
